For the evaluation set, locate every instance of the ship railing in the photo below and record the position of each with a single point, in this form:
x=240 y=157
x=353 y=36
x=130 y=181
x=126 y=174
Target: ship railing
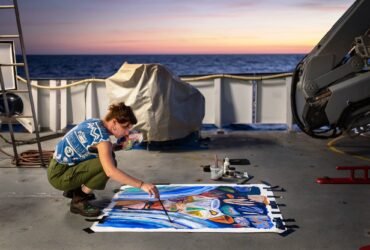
x=251 y=99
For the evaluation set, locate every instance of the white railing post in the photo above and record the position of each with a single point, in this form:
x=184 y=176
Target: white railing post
x=53 y=107
x=218 y=101
x=89 y=101
x=289 y=117
x=92 y=102
x=35 y=96
x=63 y=105
x=256 y=101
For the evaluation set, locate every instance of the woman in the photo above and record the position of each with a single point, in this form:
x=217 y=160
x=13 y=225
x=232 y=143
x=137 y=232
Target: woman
x=77 y=171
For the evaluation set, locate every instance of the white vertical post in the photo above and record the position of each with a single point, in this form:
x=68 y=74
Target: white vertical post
x=53 y=107
x=256 y=101
x=35 y=97
x=89 y=101
x=63 y=105
x=218 y=102
x=289 y=117
x=27 y=123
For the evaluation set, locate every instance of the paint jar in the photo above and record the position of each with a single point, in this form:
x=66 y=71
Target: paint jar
x=216 y=172
x=231 y=172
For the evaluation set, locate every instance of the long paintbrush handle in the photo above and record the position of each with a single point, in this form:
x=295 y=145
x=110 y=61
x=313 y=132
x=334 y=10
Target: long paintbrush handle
x=165 y=211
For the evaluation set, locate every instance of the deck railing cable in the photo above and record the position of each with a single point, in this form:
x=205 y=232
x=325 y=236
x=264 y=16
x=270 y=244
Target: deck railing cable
x=186 y=79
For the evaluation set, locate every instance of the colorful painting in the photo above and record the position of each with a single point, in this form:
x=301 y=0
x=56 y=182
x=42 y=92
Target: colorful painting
x=191 y=208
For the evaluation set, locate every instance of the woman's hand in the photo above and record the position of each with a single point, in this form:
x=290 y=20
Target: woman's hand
x=150 y=189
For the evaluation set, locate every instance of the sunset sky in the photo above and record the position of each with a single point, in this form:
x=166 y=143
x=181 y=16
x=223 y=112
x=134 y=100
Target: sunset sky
x=173 y=26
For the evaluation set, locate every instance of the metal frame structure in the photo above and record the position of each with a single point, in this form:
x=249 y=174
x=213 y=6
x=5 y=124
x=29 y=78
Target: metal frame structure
x=4 y=91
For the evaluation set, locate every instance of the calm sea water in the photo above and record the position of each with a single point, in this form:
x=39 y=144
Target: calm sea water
x=102 y=66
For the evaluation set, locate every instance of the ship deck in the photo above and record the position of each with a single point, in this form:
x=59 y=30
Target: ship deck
x=33 y=215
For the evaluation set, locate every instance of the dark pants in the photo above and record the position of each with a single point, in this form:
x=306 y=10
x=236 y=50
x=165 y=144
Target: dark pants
x=89 y=173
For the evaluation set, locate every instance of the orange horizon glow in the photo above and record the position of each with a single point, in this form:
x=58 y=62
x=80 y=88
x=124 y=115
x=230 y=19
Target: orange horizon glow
x=168 y=27
x=209 y=45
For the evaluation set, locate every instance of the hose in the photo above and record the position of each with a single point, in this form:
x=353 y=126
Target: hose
x=30 y=158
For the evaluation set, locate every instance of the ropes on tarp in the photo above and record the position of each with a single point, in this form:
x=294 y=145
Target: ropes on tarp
x=186 y=79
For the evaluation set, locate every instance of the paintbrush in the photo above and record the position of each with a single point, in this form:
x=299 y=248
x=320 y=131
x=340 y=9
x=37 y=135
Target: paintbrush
x=164 y=209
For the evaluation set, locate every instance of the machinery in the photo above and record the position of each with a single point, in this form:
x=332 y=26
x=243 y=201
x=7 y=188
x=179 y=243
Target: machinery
x=15 y=104
x=331 y=85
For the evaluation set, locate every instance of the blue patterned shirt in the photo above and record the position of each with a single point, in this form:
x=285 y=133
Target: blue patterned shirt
x=74 y=147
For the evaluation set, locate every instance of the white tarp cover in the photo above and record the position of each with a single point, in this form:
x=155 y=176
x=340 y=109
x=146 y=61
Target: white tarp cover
x=166 y=107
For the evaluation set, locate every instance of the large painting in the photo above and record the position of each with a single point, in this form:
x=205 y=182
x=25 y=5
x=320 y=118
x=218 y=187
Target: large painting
x=192 y=208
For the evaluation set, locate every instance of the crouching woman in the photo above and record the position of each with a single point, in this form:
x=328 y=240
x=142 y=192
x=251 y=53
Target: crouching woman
x=77 y=171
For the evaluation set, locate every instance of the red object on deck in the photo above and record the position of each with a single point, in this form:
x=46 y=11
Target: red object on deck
x=348 y=180
x=365 y=248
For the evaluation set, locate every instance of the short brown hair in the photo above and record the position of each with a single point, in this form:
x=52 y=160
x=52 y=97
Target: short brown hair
x=121 y=113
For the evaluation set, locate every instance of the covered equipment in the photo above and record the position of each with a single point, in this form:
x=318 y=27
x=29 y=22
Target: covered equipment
x=166 y=107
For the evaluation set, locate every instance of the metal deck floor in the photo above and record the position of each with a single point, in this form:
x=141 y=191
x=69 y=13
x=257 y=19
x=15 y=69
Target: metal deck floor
x=33 y=215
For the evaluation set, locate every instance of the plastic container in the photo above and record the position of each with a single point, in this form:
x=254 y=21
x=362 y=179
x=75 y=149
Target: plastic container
x=226 y=165
x=216 y=172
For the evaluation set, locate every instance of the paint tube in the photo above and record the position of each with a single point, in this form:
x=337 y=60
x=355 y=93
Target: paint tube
x=131 y=140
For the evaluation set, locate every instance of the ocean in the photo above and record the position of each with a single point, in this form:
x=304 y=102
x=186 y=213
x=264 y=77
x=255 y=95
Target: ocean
x=103 y=66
